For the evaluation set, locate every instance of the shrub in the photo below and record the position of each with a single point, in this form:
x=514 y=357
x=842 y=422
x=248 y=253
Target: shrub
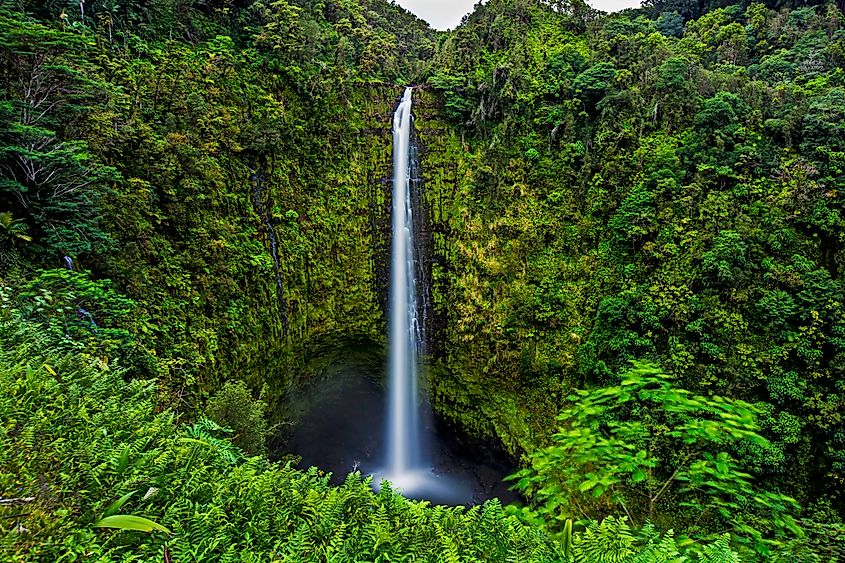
x=234 y=407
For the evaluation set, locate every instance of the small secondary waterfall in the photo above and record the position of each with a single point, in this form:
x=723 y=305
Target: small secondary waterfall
x=81 y=311
x=404 y=449
x=260 y=206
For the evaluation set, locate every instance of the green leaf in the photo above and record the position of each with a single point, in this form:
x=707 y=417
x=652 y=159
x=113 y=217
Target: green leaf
x=587 y=485
x=567 y=539
x=123 y=461
x=193 y=441
x=128 y=522
x=116 y=505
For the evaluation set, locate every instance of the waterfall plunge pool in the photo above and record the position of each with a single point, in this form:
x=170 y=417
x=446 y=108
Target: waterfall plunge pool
x=339 y=428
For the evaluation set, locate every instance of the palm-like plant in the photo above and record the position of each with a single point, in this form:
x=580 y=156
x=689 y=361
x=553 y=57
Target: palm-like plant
x=12 y=230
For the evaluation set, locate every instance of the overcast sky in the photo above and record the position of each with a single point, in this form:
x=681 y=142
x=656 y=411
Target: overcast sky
x=447 y=14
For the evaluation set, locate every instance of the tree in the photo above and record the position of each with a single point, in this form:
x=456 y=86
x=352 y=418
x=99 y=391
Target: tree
x=671 y=23
x=13 y=232
x=658 y=453
x=52 y=183
x=55 y=185
x=726 y=262
x=592 y=84
x=824 y=124
x=233 y=407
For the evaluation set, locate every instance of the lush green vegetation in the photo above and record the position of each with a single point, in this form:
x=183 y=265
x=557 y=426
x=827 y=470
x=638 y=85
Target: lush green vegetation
x=660 y=186
x=70 y=457
x=621 y=188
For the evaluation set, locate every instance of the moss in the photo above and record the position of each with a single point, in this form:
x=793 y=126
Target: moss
x=474 y=380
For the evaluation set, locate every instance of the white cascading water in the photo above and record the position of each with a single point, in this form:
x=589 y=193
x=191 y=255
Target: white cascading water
x=408 y=467
x=404 y=450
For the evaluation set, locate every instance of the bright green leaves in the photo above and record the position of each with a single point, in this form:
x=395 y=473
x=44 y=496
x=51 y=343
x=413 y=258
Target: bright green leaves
x=280 y=31
x=638 y=475
x=635 y=218
x=117 y=505
x=592 y=84
x=726 y=263
x=75 y=422
x=123 y=460
x=127 y=522
x=234 y=407
x=645 y=447
x=12 y=230
x=70 y=306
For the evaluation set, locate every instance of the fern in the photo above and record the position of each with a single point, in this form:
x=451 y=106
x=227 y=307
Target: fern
x=719 y=551
x=610 y=541
x=449 y=551
x=204 y=430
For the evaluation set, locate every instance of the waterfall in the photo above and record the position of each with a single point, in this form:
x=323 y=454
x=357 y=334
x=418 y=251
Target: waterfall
x=408 y=467
x=68 y=263
x=86 y=315
x=404 y=449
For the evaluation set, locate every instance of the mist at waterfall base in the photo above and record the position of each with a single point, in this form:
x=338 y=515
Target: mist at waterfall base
x=412 y=458
x=339 y=426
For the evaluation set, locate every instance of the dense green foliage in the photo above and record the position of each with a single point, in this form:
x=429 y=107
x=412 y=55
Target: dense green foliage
x=194 y=207
x=86 y=485
x=68 y=454
x=233 y=407
x=661 y=454
x=192 y=174
x=616 y=192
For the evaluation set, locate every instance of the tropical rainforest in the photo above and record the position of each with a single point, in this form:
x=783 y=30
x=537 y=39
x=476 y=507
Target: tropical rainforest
x=636 y=242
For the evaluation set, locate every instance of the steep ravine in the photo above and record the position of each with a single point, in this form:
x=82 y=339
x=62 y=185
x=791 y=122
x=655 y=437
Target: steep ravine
x=337 y=296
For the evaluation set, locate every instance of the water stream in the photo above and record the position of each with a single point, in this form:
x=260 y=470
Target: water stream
x=409 y=466
x=83 y=313
x=337 y=429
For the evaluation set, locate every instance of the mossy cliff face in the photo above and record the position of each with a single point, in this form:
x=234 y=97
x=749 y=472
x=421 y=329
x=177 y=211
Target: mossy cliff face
x=276 y=255
x=333 y=223
x=482 y=365
x=334 y=270
x=250 y=220
x=336 y=279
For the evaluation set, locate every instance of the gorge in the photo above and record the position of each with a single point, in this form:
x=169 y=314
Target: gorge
x=410 y=453
x=627 y=240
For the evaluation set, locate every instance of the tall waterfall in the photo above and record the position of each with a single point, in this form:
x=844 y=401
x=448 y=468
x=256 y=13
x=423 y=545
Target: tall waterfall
x=404 y=449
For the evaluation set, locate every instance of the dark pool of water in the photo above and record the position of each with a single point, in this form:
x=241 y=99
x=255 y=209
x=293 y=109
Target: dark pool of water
x=341 y=428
